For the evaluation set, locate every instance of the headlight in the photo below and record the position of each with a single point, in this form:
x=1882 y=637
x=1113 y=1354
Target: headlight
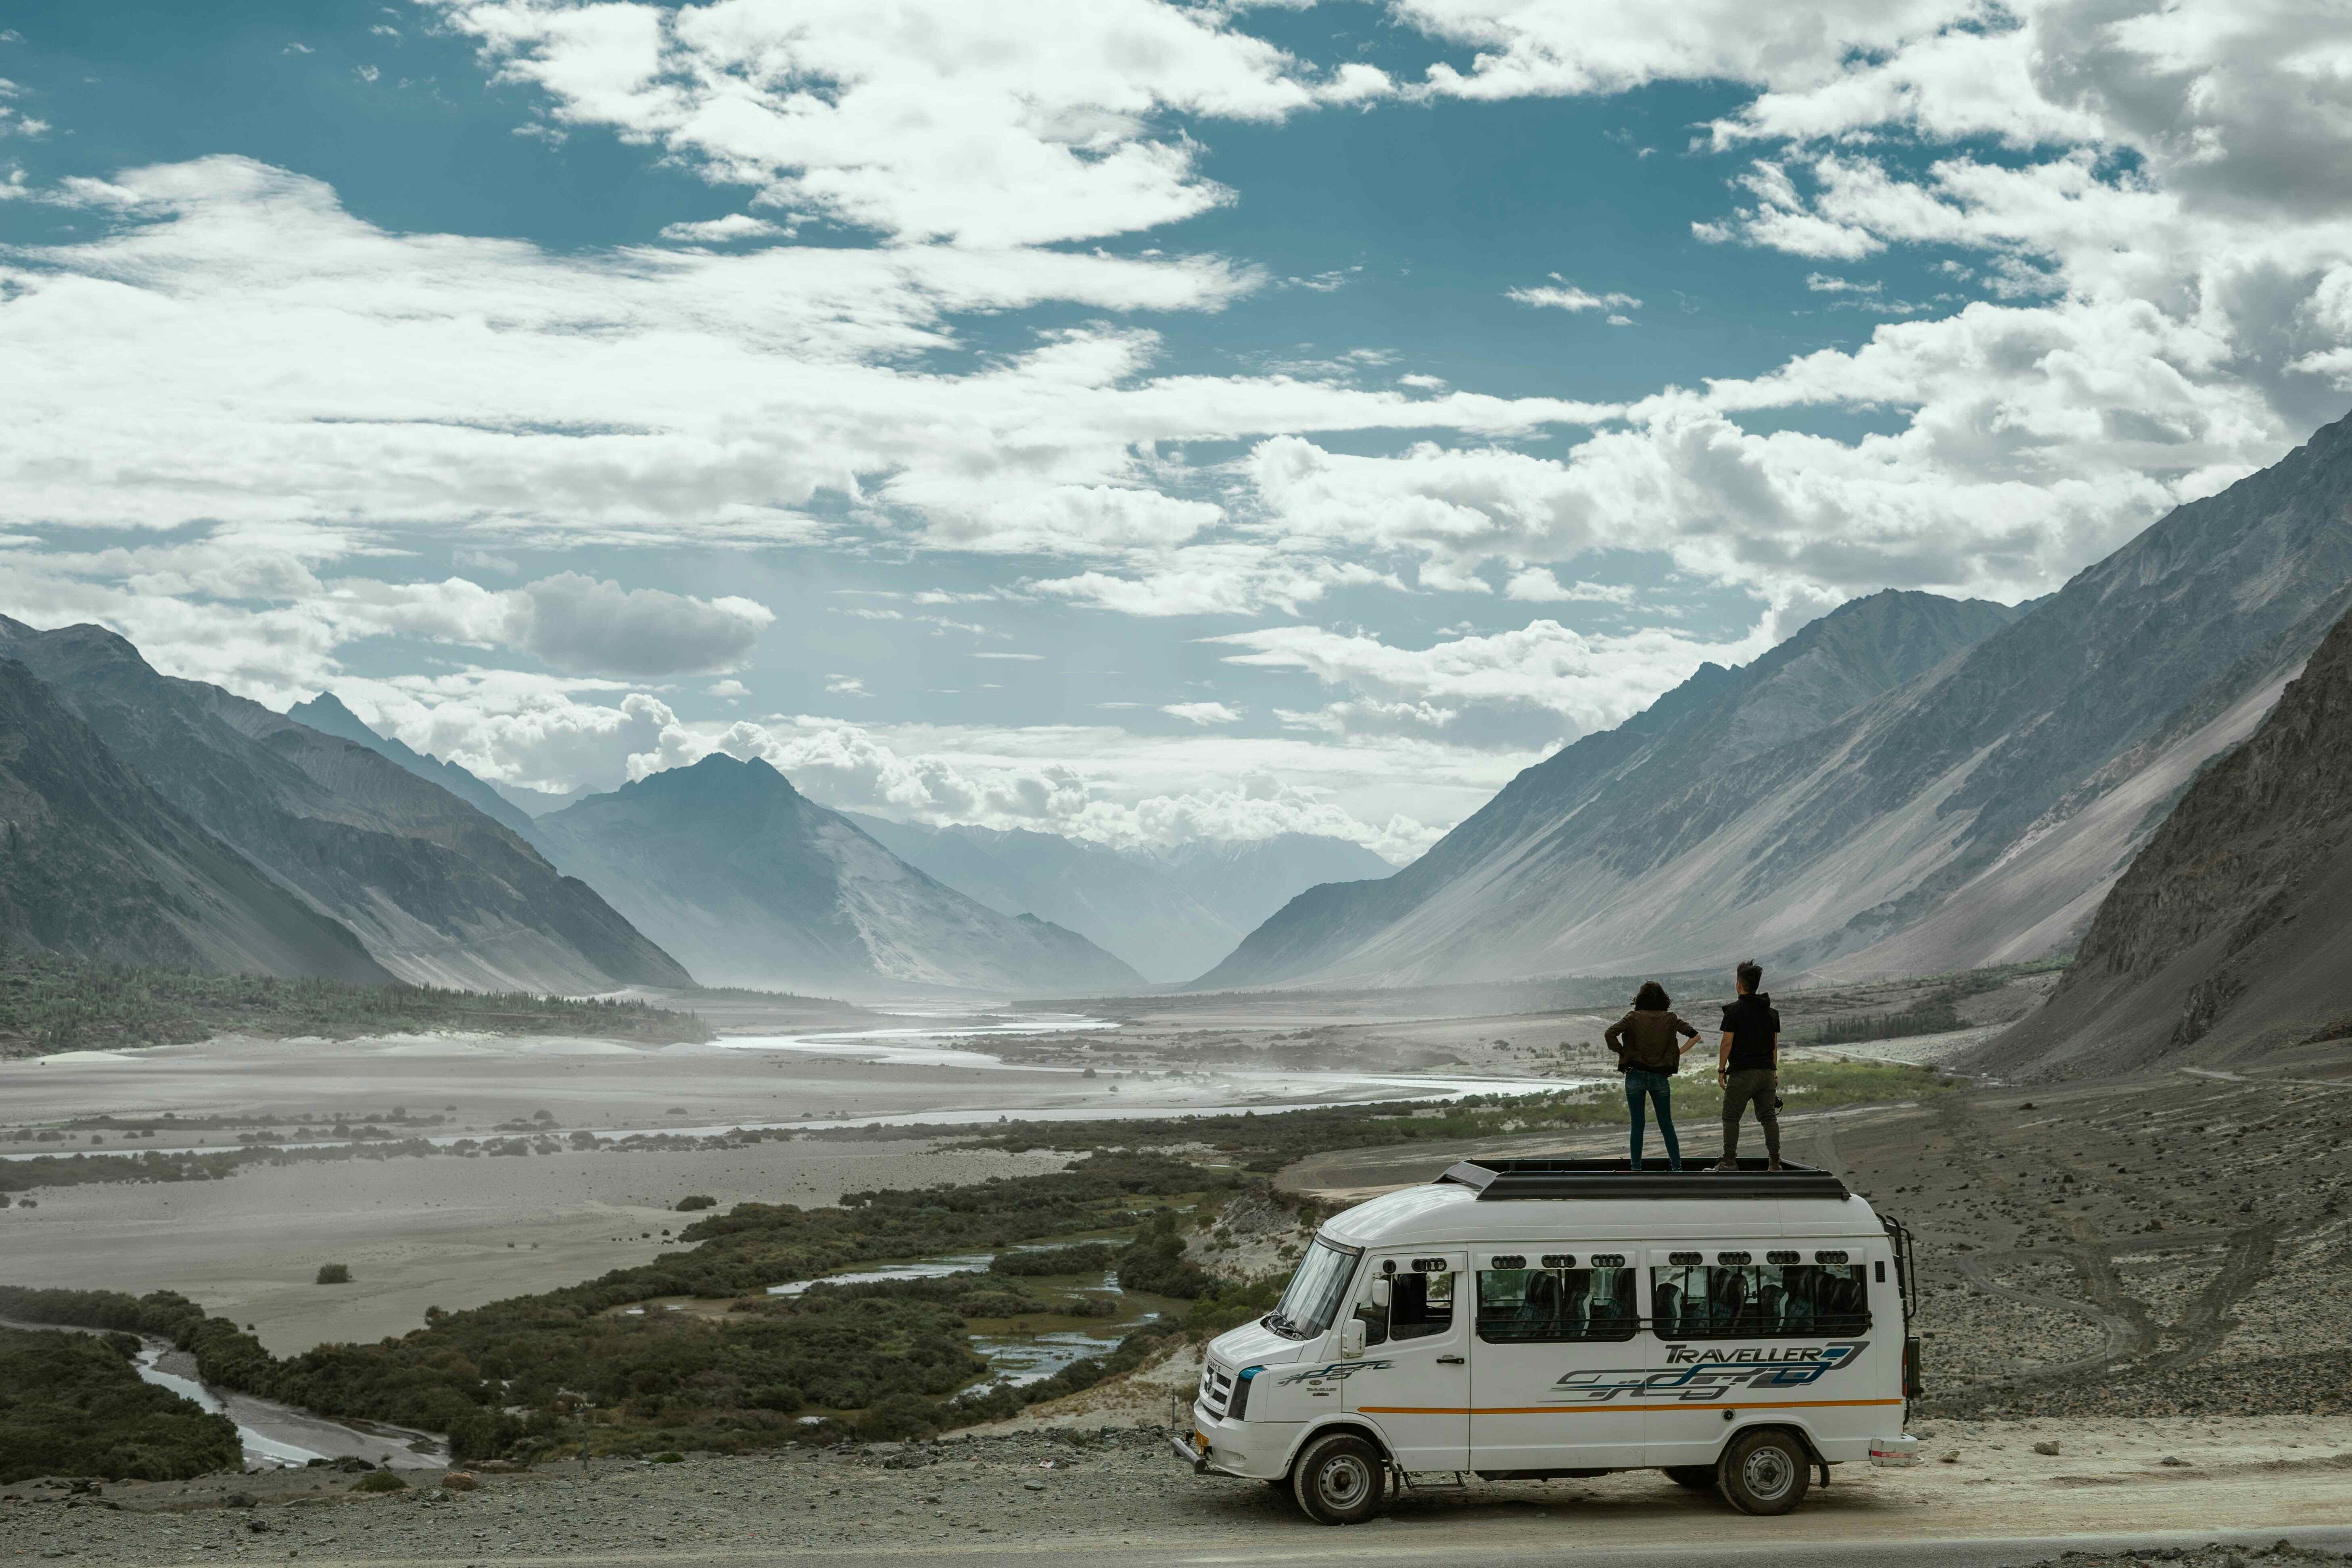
x=1238 y=1409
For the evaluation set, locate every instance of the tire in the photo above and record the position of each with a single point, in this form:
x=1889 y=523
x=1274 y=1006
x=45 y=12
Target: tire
x=1698 y=1478
x=1340 y=1479
x=1765 y=1473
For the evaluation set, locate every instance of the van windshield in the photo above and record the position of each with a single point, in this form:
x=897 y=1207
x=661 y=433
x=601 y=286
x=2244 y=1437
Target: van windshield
x=1312 y=1300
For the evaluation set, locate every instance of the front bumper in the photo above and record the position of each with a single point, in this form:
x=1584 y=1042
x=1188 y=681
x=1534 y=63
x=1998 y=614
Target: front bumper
x=1888 y=1452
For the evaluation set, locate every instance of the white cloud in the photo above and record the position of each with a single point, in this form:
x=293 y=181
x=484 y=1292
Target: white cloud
x=723 y=231
x=1542 y=671
x=577 y=623
x=1536 y=584
x=230 y=345
x=925 y=119
x=1201 y=713
x=728 y=691
x=1562 y=295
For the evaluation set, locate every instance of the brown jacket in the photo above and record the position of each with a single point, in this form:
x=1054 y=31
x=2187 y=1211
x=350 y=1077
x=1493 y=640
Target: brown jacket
x=1647 y=1041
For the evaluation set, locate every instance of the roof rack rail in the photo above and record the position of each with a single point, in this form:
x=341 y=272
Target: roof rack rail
x=1505 y=1179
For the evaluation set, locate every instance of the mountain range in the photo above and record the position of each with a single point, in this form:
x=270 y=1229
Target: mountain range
x=1170 y=912
x=2228 y=937
x=95 y=863
x=1910 y=785
x=433 y=891
x=753 y=883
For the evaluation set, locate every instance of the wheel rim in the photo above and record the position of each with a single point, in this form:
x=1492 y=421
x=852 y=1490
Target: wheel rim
x=1768 y=1473
x=1343 y=1481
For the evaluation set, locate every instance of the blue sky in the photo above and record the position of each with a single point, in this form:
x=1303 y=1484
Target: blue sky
x=1140 y=420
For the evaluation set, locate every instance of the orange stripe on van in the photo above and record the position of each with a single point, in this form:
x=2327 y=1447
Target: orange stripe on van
x=1605 y=1409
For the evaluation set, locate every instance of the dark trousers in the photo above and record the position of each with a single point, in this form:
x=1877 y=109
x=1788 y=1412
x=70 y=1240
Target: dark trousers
x=1756 y=1086
x=1658 y=1090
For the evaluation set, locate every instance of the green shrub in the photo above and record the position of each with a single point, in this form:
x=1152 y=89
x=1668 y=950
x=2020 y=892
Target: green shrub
x=698 y=1200
x=334 y=1274
x=73 y=1404
x=380 y=1481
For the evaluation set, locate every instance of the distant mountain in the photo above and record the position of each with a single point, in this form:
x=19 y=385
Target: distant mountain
x=1907 y=785
x=754 y=883
x=96 y=864
x=540 y=802
x=2229 y=936
x=327 y=714
x=1126 y=904
x=1247 y=879
x=437 y=891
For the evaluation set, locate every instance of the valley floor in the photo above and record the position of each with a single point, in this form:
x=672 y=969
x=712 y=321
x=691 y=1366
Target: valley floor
x=2130 y=1273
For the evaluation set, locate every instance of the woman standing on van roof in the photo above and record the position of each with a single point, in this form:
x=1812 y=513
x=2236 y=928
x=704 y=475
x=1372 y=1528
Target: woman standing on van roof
x=1649 y=1053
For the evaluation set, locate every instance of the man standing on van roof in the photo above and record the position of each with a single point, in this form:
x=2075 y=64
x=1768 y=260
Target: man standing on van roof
x=1748 y=1066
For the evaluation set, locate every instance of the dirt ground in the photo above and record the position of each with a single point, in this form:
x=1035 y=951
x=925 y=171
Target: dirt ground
x=1040 y=1489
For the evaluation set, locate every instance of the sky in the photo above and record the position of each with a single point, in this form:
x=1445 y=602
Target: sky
x=1136 y=420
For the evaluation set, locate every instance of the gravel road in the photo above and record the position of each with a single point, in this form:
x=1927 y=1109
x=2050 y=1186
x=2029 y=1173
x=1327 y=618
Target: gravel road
x=1070 y=1491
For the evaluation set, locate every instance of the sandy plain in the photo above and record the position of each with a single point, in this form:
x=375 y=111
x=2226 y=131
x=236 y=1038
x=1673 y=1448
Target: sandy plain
x=454 y=1232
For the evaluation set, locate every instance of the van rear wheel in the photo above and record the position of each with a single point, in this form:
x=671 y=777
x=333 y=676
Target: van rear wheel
x=1698 y=1478
x=1340 y=1479
x=1764 y=1472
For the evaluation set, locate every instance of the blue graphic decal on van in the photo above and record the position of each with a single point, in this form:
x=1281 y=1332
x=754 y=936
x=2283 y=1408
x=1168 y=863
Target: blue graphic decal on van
x=1336 y=1371
x=1697 y=1374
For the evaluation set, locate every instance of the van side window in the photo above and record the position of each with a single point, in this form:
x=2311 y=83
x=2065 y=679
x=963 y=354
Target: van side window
x=1758 y=1300
x=1420 y=1305
x=1551 y=1306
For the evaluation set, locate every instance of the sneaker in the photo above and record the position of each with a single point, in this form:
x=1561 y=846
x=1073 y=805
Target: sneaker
x=1725 y=1165
x=1775 y=1166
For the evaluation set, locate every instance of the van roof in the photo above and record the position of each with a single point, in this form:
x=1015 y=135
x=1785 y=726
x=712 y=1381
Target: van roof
x=1600 y=1201
x=1494 y=1179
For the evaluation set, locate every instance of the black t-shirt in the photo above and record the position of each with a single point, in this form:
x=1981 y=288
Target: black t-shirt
x=1752 y=1022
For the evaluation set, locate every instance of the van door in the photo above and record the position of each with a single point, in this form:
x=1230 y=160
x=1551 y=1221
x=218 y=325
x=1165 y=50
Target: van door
x=1742 y=1329
x=1415 y=1378
x=1559 y=1369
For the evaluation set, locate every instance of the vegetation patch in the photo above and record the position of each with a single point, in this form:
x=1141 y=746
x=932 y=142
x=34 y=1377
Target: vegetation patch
x=576 y=1369
x=49 y=1001
x=73 y=1404
x=1265 y=1145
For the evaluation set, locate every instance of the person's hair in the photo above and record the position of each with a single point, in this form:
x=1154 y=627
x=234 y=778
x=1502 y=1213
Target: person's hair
x=1652 y=997
x=1751 y=975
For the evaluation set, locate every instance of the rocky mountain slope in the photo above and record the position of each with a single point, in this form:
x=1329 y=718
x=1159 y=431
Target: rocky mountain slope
x=327 y=714
x=1127 y=906
x=1973 y=800
x=95 y=863
x=2230 y=936
x=1972 y=805
x=753 y=883
x=437 y=892
x=1561 y=871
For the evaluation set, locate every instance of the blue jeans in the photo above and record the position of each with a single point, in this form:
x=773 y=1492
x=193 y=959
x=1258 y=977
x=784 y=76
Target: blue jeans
x=1659 y=1090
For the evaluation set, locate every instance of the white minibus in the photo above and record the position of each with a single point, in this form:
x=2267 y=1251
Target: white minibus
x=1537 y=1319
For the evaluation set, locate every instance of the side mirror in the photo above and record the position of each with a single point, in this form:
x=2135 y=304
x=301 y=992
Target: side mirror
x=1351 y=1339
x=1381 y=1292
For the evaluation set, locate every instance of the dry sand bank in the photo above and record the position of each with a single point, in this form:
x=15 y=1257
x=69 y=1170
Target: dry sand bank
x=419 y=1233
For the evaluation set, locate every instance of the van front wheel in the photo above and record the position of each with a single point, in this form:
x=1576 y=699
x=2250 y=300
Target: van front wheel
x=1764 y=1472
x=1340 y=1479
